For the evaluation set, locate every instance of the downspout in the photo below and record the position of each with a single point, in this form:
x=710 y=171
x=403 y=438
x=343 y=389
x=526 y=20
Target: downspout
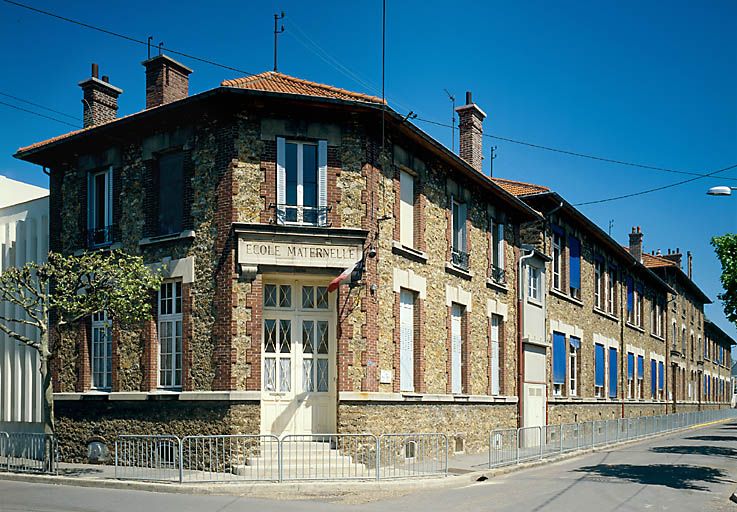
x=520 y=352
x=623 y=345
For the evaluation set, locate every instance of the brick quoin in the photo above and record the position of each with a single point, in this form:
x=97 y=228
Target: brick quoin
x=115 y=357
x=84 y=375
x=254 y=302
x=396 y=357
x=370 y=303
x=419 y=345
x=344 y=336
x=187 y=330
x=150 y=363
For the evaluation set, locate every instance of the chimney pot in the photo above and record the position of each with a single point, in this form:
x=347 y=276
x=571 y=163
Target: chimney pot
x=469 y=100
x=166 y=80
x=106 y=79
x=636 y=244
x=95 y=70
x=689 y=257
x=470 y=126
x=99 y=99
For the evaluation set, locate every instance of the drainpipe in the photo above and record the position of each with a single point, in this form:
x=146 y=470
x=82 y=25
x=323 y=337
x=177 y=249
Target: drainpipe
x=520 y=352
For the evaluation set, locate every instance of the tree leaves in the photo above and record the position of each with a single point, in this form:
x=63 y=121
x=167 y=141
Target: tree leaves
x=726 y=250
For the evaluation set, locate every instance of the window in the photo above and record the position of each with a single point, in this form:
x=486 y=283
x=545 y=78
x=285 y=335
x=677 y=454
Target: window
x=301 y=182
x=313 y=297
x=456 y=359
x=101 y=351
x=611 y=291
x=559 y=363
x=706 y=349
x=612 y=372
x=574 y=266
x=630 y=375
x=459 y=254
x=170 y=215
x=406 y=340
x=575 y=346
x=497 y=271
x=640 y=377
x=495 y=378
x=599 y=284
x=683 y=341
x=657 y=319
x=638 y=305
x=170 y=334
x=100 y=207
x=661 y=378
x=406 y=209
x=599 y=370
x=557 y=258
x=653 y=379
x=534 y=283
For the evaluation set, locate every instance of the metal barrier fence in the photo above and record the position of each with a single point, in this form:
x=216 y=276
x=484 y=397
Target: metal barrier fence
x=512 y=446
x=328 y=457
x=412 y=455
x=28 y=452
x=230 y=458
x=148 y=457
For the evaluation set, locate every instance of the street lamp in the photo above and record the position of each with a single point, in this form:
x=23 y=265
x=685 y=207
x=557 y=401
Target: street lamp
x=721 y=190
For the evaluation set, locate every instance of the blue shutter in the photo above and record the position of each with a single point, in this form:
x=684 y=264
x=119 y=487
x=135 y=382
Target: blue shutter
x=559 y=358
x=661 y=375
x=640 y=367
x=575 y=342
x=612 y=372
x=630 y=295
x=630 y=365
x=574 y=248
x=558 y=230
x=599 y=365
x=653 y=376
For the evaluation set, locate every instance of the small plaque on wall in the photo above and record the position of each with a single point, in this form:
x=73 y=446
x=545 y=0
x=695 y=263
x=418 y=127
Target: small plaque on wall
x=385 y=377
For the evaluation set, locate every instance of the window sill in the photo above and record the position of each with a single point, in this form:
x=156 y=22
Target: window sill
x=659 y=338
x=102 y=248
x=408 y=252
x=457 y=271
x=187 y=233
x=566 y=297
x=635 y=328
x=535 y=302
x=606 y=315
x=502 y=287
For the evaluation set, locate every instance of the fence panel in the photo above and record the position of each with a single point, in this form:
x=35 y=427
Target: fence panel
x=502 y=447
x=552 y=440
x=143 y=457
x=230 y=458
x=570 y=435
x=529 y=443
x=412 y=455
x=28 y=452
x=328 y=457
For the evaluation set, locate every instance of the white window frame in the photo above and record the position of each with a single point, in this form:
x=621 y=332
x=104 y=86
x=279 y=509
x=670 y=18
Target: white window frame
x=281 y=182
x=572 y=370
x=101 y=351
x=496 y=250
x=406 y=209
x=167 y=379
x=557 y=261
x=495 y=364
x=458 y=238
x=610 y=290
x=637 y=305
x=631 y=382
x=533 y=283
x=92 y=212
x=598 y=275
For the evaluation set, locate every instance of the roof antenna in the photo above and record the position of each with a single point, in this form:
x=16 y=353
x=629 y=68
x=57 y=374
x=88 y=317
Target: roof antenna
x=494 y=154
x=452 y=121
x=611 y=225
x=150 y=38
x=277 y=31
x=161 y=45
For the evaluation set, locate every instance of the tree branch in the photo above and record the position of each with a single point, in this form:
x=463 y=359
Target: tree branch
x=23 y=339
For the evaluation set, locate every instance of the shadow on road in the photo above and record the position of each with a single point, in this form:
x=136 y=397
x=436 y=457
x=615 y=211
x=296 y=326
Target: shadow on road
x=79 y=471
x=718 y=451
x=712 y=438
x=676 y=476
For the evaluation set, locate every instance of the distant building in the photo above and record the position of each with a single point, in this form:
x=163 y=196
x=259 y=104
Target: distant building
x=24 y=237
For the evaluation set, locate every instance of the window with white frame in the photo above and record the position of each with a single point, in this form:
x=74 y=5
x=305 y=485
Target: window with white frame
x=496 y=251
x=100 y=207
x=638 y=305
x=557 y=259
x=559 y=363
x=611 y=295
x=459 y=252
x=101 y=351
x=495 y=377
x=630 y=375
x=406 y=340
x=599 y=284
x=658 y=318
x=533 y=279
x=406 y=209
x=170 y=334
x=599 y=371
x=574 y=347
x=301 y=182
x=640 y=377
x=171 y=186
x=574 y=266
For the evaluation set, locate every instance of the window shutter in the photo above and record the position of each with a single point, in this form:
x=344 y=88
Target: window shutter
x=640 y=367
x=653 y=376
x=612 y=372
x=494 y=355
x=559 y=358
x=630 y=295
x=281 y=178
x=406 y=342
x=630 y=365
x=109 y=205
x=462 y=209
x=90 y=201
x=660 y=375
x=574 y=247
x=322 y=181
x=599 y=365
x=500 y=248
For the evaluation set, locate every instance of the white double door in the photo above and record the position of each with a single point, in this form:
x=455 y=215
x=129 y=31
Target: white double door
x=298 y=365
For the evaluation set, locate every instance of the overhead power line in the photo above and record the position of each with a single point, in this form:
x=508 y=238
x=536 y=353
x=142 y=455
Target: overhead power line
x=38 y=114
x=16 y=98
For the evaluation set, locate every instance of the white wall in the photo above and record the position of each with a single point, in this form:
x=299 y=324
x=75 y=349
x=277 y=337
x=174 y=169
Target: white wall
x=24 y=236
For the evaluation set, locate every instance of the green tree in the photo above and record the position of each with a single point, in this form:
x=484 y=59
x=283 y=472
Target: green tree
x=66 y=289
x=726 y=249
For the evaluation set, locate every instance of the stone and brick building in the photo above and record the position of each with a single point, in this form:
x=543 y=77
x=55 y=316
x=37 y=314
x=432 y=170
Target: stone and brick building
x=252 y=198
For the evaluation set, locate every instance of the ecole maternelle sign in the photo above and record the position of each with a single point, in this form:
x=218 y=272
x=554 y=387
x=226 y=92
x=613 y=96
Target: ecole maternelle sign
x=268 y=252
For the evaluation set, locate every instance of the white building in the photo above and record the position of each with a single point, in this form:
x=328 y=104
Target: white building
x=24 y=236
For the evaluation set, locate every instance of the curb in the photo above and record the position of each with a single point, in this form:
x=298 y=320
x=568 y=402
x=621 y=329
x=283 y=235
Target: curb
x=314 y=489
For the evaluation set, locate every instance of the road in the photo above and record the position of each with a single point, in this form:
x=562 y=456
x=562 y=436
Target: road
x=694 y=470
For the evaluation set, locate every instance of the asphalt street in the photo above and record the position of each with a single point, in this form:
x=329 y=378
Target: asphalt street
x=694 y=470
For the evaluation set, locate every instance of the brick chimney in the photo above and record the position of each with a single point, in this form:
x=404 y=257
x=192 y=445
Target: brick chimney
x=674 y=256
x=636 y=243
x=99 y=99
x=689 y=259
x=166 y=80
x=470 y=124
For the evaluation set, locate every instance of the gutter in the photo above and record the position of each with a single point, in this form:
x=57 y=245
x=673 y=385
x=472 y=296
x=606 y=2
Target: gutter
x=520 y=313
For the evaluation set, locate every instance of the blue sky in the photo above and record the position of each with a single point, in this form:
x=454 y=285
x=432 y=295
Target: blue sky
x=630 y=80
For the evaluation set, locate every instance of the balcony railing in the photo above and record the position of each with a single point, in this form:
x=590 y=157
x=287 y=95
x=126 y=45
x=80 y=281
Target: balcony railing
x=99 y=237
x=459 y=259
x=498 y=275
x=301 y=215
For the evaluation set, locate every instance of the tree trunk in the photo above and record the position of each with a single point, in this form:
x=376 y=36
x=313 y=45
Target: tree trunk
x=48 y=395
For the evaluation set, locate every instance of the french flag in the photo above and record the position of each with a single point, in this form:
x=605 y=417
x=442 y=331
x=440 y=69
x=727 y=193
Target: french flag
x=344 y=277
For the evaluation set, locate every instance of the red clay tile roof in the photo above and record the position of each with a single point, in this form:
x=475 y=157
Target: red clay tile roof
x=651 y=261
x=520 y=188
x=272 y=81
